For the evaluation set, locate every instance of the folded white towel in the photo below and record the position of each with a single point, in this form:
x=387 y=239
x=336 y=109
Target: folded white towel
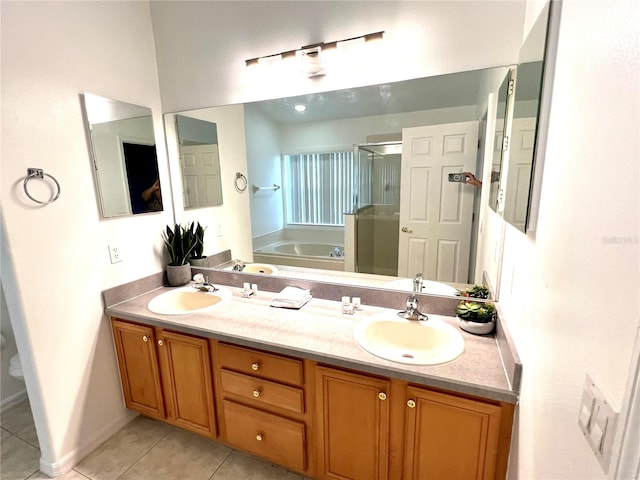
x=291 y=297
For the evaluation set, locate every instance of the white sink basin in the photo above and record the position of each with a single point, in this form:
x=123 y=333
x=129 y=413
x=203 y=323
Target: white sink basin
x=428 y=286
x=187 y=299
x=411 y=342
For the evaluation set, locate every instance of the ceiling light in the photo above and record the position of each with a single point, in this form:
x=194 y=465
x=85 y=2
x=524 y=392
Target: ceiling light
x=300 y=108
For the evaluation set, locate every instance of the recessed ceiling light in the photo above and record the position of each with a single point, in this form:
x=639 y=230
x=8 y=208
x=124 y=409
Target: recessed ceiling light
x=300 y=108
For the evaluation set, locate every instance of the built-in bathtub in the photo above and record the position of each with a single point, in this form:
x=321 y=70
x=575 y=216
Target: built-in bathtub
x=301 y=254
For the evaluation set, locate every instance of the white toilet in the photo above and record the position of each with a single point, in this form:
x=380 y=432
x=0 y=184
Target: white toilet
x=15 y=367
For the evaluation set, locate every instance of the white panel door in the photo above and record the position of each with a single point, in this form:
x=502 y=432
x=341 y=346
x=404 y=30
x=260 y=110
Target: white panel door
x=523 y=135
x=200 y=175
x=435 y=214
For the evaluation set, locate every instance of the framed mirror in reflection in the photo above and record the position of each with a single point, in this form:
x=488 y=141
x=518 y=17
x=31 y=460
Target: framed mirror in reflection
x=123 y=148
x=199 y=162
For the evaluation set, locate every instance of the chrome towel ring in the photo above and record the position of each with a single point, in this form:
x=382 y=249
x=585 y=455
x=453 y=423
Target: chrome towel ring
x=39 y=173
x=240 y=182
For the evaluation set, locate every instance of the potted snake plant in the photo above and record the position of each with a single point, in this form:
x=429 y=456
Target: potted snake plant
x=180 y=242
x=476 y=317
x=197 y=259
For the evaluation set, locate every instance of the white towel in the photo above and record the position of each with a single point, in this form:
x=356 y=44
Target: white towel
x=291 y=297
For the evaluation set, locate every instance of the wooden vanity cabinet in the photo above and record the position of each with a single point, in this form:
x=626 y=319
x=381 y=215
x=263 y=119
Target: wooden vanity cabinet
x=166 y=375
x=263 y=403
x=353 y=425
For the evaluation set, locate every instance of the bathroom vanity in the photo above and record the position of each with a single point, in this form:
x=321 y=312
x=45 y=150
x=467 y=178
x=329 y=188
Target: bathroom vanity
x=295 y=388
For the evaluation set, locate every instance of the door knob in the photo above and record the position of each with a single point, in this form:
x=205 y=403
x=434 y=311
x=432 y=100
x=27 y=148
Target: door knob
x=406 y=230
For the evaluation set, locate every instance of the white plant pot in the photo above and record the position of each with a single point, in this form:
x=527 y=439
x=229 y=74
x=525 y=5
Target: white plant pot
x=476 y=327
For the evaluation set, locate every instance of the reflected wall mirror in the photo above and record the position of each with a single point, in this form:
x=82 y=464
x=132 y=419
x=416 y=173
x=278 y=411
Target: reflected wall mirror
x=123 y=148
x=199 y=162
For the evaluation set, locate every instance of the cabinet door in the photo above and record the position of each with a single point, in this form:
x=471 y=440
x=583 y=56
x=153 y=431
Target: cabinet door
x=450 y=437
x=186 y=377
x=135 y=347
x=353 y=426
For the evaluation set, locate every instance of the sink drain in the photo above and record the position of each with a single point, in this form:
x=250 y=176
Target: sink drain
x=407 y=355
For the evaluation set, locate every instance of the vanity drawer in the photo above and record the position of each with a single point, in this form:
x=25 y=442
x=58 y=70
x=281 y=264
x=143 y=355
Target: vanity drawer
x=261 y=364
x=263 y=391
x=270 y=436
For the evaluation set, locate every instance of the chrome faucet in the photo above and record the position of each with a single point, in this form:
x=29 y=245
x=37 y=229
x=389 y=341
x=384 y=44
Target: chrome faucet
x=417 y=283
x=238 y=266
x=205 y=286
x=411 y=312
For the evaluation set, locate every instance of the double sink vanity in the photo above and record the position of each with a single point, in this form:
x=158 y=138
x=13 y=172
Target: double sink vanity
x=331 y=396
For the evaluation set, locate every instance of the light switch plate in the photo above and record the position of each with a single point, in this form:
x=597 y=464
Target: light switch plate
x=597 y=420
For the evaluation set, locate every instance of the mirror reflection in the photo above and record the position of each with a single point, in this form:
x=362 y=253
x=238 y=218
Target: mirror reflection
x=123 y=148
x=371 y=180
x=522 y=148
x=199 y=162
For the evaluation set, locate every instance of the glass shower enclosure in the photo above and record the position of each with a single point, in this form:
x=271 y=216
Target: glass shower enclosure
x=378 y=207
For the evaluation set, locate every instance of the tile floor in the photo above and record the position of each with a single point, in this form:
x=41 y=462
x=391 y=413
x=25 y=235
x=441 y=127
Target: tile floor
x=144 y=449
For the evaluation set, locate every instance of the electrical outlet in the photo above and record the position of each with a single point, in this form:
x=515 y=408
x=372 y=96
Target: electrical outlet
x=115 y=253
x=219 y=231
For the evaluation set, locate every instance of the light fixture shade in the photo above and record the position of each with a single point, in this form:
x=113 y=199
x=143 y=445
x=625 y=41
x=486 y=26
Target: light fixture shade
x=312 y=61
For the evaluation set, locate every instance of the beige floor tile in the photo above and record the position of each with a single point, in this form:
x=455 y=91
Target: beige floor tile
x=115 y=456
x=17 y=418
x=29 y=435
x=72 y=475
x=242 y=466
x=180 y=455
x=17 y=458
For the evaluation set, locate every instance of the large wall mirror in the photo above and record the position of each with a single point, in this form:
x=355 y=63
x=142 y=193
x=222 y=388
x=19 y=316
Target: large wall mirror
x=524 y=125
x=123 y=147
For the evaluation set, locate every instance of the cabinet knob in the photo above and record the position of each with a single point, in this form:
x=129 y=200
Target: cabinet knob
x=411 y=403
x=160 y=342
x=255 y=366
x=259 y=437
x=145 y=338
x=256 y=393
x=382 y=396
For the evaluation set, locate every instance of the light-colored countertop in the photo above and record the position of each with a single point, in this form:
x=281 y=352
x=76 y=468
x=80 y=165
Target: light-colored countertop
x=320 y=332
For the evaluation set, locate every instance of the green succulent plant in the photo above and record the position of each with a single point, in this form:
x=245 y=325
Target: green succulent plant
x=180 y=242
x=197 y=231
x=477 y=291
x=476 y=311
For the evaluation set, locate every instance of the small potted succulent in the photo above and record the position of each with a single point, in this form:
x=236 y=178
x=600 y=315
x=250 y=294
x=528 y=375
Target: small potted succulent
x=197 y=259
x=180 y=242
x=477 y=291
x=476 y=317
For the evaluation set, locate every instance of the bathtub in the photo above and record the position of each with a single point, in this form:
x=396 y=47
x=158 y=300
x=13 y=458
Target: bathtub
x=301 y=254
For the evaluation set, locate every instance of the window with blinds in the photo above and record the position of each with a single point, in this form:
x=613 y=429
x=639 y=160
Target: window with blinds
x=319 y=187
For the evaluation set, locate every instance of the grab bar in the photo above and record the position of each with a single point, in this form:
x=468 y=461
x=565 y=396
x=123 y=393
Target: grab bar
x=256 y=188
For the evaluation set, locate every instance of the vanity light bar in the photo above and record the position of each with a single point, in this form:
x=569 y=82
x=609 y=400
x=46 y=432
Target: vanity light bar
x=322 y=45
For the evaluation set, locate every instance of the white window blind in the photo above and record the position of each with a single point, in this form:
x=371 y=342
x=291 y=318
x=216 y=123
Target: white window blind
x=320 y=187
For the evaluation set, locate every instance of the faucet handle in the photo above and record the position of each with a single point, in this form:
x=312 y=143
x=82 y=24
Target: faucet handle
x=412 y=302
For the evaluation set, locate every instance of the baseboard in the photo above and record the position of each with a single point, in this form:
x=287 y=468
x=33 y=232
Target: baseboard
x=12 y=400
x=66 y=464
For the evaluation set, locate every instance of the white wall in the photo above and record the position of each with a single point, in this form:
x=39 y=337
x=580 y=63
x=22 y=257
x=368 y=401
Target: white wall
x=55 y=258
x=203 y=65
x=265 y=169
x=569 y=290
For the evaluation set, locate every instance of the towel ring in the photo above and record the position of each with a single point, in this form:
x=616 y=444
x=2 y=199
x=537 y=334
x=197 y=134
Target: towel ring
x=240 y=182
x=39 y=173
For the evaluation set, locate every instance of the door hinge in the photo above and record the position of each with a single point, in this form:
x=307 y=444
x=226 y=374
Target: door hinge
x=505 y=143
x=512 y=85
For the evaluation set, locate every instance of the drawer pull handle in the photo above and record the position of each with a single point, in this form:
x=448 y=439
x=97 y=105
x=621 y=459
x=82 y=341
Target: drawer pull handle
x=259 y=437
x=382 y=396
x=256 y=393
x=145 y=338
x=160 y=342
x=411 y=403
x=255 y=366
